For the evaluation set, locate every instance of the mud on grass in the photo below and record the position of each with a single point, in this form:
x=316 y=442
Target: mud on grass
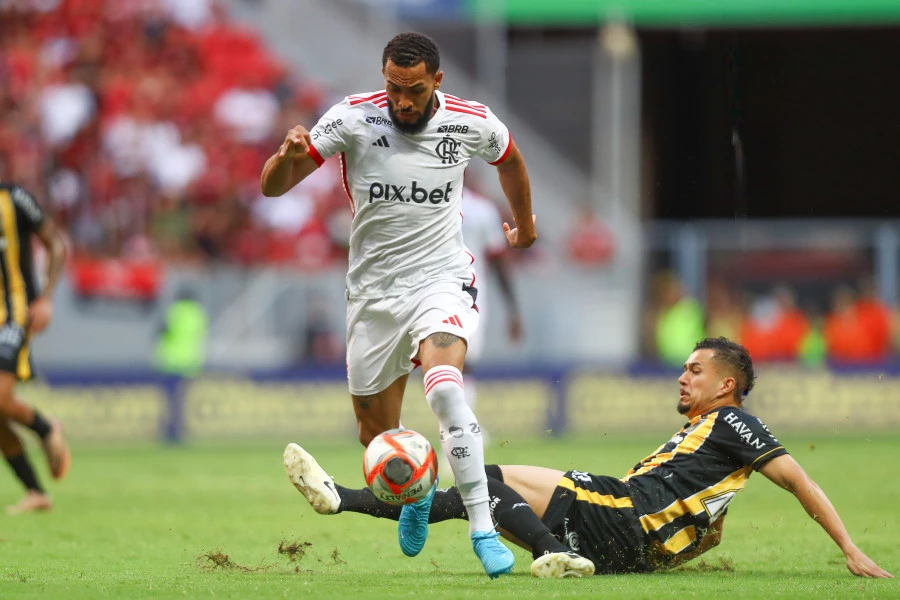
x=294 y=551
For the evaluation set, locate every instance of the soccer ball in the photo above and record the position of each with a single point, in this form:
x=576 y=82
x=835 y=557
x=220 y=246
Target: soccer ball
x=400 y=466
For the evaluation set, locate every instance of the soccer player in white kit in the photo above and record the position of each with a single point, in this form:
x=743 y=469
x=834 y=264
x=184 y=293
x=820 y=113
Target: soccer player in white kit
x=410 y=297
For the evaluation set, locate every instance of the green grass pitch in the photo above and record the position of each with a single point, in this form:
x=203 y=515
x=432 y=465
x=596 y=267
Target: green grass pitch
x=207 y=521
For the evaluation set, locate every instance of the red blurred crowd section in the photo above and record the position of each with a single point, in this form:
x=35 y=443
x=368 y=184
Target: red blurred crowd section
x=143 y=126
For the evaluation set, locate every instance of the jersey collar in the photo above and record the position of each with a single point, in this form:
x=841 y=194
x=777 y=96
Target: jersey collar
x=439 y=98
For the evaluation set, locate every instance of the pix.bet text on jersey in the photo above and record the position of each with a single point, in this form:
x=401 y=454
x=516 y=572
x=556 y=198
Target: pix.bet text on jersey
x=406 y=189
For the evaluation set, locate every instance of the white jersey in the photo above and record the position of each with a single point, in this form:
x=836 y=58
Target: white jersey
x=406 y=189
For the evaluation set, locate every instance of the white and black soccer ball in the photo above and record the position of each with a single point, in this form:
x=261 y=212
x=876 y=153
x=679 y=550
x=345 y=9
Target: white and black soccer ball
x=400 y=466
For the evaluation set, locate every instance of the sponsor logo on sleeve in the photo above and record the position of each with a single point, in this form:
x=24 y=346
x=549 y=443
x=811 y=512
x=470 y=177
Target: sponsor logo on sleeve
x=494 y=143
x=326 y=128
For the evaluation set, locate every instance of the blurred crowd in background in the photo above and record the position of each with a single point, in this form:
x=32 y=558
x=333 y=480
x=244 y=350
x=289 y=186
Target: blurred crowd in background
x=143 y=127
x=857 y=327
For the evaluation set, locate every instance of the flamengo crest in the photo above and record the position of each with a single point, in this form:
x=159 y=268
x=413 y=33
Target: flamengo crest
x=447 y=150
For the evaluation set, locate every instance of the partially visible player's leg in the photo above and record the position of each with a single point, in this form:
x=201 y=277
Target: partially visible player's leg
x=517 y=515
x=311 y=480
x=517 y=521
x=49 y=431
x=378 y=364
x=442 y=355
x=379 y=412
x=16 y=410
x=535 y=484
x=14 y=452
x=328 y=498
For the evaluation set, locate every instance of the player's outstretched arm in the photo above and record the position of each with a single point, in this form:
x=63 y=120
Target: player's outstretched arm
x=785 y=472
x=514 y=181
x=40 y=311
x=289 y=165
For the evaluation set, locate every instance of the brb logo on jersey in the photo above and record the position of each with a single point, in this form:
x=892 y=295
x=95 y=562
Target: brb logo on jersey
x=379 y=121
x=419 y=195
x=453 y=129
x=447 y=150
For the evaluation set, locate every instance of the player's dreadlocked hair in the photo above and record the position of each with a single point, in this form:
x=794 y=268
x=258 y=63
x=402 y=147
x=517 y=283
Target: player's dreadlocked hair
x=409 y=49
x=738 y=360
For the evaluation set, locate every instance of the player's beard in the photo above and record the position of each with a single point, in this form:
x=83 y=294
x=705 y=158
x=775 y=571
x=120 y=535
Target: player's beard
x=417 y=125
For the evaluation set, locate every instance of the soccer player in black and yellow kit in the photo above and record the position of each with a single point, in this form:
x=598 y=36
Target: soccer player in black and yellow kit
x=24 y=312
x=668 y=509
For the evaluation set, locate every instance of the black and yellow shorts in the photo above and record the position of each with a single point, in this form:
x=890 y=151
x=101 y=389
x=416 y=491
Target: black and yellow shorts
x=15 y=351
x=595 y=517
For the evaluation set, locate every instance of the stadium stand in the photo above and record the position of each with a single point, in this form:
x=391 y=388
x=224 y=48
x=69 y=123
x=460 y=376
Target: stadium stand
x=144 y=125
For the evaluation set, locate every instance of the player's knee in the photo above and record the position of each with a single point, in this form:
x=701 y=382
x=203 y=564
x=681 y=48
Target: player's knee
x=10 y=444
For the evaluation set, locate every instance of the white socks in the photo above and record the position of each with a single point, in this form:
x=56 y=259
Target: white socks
x=471 y=393
x=461 y=441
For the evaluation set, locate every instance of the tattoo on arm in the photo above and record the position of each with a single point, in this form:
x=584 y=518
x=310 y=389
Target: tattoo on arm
x=442 y=339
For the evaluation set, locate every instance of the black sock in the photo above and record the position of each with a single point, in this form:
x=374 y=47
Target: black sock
x=514 y=515
x=40 y=425
x=22 y=468
x=509 y=510
x=447 y=504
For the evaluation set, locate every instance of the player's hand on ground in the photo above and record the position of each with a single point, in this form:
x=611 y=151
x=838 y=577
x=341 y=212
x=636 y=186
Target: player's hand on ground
x=517 y=238
x=297 y=141
x=40 y=313
x=862 y=565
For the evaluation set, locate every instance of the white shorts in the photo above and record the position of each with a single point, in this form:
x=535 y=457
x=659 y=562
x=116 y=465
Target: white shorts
x=476 y=338
x=383 y=335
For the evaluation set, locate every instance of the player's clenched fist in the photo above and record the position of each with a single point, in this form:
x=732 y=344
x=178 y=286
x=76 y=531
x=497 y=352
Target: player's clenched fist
x=296 y=142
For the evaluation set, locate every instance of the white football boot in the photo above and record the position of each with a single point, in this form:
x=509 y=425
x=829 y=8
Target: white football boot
x=311 y=480
x=555 y=565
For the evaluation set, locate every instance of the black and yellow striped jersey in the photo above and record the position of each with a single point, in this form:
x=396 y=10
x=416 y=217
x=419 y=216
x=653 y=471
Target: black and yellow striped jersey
x=20 y=216
x=689 y=481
